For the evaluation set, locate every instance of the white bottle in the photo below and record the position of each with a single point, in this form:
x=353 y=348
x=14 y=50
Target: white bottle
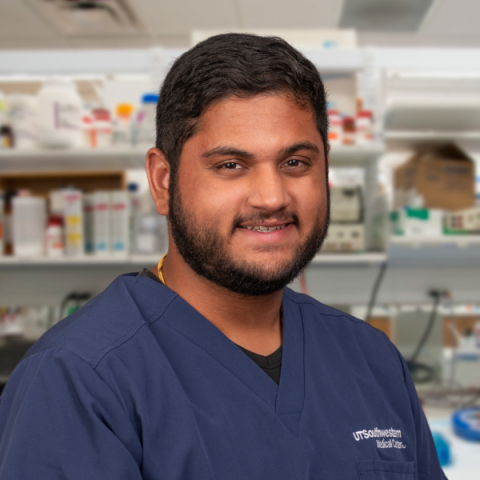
x=88 y=221
x=59 y=117
x=120 y=223
x=2 y=229
x=145 y=120
x=28 y=226
x=54 y=237
x=101 y=223
x=73 y=222
x=22 y=117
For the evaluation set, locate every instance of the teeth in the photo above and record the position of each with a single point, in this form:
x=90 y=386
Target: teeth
x=263 y=229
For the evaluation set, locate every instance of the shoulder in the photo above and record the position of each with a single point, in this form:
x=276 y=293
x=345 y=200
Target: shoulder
x=120 y=314
x=354 y=337
x=323 y=311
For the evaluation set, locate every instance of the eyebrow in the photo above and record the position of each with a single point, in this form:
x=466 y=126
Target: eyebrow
x=299 y=146
x=236 y=152
x=228 y=151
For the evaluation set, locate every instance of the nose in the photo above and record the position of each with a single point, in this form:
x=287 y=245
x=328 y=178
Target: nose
x=268 y=190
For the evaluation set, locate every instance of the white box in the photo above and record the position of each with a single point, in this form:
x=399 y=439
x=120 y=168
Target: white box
x=345 y=238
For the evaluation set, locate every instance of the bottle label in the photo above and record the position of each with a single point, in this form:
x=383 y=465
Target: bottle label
x=66 y=116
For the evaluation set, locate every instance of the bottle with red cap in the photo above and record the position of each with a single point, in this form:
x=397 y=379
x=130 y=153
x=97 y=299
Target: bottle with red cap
x=54 y=237
x=364 y=127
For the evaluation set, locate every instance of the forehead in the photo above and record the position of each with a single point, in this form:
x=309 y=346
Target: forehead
x=260 y=121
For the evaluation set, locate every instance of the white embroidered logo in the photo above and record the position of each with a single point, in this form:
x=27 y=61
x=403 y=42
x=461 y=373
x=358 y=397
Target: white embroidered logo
x=389 y=433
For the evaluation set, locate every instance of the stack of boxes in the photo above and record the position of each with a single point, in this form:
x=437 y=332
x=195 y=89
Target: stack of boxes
x=435 y=194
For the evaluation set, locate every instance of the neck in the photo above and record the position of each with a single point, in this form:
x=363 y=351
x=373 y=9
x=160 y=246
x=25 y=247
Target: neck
x=251 y=322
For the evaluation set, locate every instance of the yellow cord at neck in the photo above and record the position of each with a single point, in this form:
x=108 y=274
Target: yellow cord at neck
x=160 y=269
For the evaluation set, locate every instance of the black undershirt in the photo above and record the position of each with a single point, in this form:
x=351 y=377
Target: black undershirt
x=270 y=364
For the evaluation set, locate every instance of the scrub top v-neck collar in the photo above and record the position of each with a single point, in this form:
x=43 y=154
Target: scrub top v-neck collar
x=286 y=399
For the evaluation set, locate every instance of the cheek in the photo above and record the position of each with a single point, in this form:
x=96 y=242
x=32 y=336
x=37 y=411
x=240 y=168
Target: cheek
x=212 y=202
x=310 y=201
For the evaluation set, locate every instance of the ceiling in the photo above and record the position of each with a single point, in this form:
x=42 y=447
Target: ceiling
x=169 y=22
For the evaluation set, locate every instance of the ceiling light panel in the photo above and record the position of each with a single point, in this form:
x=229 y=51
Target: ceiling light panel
x=384 y=15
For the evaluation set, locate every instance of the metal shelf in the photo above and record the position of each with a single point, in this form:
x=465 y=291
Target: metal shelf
x=462 y=251
x=143 y=260
x=43 y=160
x=350 y=259
x=80 y=261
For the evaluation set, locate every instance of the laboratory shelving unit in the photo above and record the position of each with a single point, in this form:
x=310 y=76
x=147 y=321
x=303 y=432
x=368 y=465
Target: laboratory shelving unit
x=339 y=279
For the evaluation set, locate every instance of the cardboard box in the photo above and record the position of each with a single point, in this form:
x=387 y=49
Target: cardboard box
x=441 y=177
x=417 y=222
x=463 y=221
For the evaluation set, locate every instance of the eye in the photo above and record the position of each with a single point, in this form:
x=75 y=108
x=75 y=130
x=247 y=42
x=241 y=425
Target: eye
x=294 y=162
x=231 y=166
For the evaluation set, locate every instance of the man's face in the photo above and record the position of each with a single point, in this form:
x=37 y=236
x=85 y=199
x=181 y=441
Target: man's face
x=249 y=207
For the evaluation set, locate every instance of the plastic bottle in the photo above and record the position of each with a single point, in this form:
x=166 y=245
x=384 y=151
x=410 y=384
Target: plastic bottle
x=102 y=127
x=22 y=117
x=73 y=221
x=120 y=222
x=88 y=133
x=122 y=131
x=134 y=211
x=2 y=208
x=28 y=225
x=54 y=237
x=348 y=131
x=335 y=131
x=145 y=121
x=364 y=128
x=6 y=133
x=59 y=114
x=102 y=223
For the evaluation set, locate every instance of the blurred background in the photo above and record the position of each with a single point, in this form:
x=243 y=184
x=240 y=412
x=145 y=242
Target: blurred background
x=79 y=81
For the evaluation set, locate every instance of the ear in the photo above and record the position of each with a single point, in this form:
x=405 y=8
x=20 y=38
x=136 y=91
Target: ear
x=328 y=155
x=158 y=173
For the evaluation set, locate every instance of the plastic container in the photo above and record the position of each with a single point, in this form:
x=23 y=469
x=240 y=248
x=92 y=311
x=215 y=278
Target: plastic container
x=2 y=209
x=22 y=117
x=73 y=222
x=134 y=211
x=102 y=128
x=145 y=121
x=88 y=132
x=28 y=225
x=88 y=221
x=348 y=131
x=364 y=128
x=59 y=114
x=54 y=237
x=122 y=130
x=3 y=109
x=101 y=223
x=120 y=222
x=147 y=234
x=335 y=131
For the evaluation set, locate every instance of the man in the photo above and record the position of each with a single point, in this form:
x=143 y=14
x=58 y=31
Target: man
x=208 y=367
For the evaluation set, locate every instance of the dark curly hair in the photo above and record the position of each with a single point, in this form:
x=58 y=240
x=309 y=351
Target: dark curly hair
x=232 y=64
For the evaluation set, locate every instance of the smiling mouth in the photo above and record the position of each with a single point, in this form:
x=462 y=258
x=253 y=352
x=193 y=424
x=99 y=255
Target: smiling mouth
x=265 y=229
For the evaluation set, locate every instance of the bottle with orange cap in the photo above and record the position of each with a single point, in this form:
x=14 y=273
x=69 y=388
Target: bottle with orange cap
x=122 y=133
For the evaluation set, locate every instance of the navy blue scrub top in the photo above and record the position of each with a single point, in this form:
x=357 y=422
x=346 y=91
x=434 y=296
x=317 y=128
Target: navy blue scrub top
x=138 y=385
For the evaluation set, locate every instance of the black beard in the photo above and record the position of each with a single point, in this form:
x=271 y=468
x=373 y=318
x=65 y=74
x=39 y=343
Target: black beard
x=204 y=250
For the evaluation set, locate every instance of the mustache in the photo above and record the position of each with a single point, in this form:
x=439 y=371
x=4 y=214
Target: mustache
x=287 y=217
